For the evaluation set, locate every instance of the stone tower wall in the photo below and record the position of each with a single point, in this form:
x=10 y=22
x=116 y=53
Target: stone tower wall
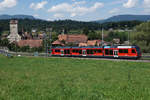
x=14 y=36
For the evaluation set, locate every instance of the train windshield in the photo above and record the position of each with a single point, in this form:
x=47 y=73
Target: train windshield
x=138 y=50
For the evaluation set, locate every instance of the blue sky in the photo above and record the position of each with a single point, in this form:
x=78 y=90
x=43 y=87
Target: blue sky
x=82 y=10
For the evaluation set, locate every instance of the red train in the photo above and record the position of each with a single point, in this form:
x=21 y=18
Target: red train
x=132 y=52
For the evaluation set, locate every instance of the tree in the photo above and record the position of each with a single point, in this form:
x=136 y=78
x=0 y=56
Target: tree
x=0 y=32
x=93 y=35
x=25 y=48
x=141 y=36
x=86 y=31
x=4 y=42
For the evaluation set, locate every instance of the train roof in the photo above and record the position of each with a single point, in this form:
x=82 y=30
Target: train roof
x=89 y=47
x=98 y=47
x=120 y=46
x=80 y=47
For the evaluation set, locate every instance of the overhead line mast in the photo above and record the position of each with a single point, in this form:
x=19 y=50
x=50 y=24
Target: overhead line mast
x=102 y=37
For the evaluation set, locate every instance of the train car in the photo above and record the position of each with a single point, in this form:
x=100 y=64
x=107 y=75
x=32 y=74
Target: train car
x=132 y=52
x=57 y=51
x=61 y=51
x=92 y=51
x=77 y=51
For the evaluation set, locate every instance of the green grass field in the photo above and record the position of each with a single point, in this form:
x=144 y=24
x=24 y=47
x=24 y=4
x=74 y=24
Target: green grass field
x=29 y=78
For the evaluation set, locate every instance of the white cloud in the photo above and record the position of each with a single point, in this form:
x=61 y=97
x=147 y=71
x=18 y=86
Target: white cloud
x=73 y=15
x=39 y=5
x=147 y=3
x=49 y=19
x=58 y=15
x=36 y=15
x=7 y=4
x=130 y=3
x=114 y=11
x=97 y=5
x=146 y=6
x=32 y=5
x=75 y=10
x=61 y=8
x=147 y=11
x=79 y=3
x=115 y=2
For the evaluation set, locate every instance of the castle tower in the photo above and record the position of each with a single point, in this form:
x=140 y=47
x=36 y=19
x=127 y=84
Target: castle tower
x=14 y=36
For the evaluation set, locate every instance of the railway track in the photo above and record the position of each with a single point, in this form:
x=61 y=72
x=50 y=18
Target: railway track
x=108 y=59
x=143 y=59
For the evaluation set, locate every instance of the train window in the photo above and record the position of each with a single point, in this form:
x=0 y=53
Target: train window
x=111 y=52
x=80 y=51
x=74 y=51
x=133 y=51
x=57 y=50
x=94 y=51
x=125 y=50
x=77 y=51
x=106 y=52
x=89 y=51
x=67 y=51
x=120 y=50
x=99 y=51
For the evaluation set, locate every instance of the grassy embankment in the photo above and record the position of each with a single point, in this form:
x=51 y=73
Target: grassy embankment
x=27 y=78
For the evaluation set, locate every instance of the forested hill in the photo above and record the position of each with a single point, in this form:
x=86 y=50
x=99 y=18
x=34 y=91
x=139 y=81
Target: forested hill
x=5 y=17
x=28 y=24
x=119 y=18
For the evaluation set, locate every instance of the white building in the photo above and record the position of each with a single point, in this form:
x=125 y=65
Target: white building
x=14 y=36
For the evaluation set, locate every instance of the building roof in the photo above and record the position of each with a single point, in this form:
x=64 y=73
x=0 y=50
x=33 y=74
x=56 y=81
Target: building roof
x=31 y=43
x=93 y=42
x=73 y=38
x=57 y=42
x=82 y=44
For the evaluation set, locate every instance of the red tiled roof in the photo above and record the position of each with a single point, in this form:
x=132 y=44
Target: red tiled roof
x=93 y=42
x=82 y=44
x=31 y=43
x=73 y=38
x=57 y=42
x=40 y=36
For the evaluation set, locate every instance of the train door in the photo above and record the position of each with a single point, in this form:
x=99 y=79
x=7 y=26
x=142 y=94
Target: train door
x=116 y=53
x=84 y=53
x=62 y=52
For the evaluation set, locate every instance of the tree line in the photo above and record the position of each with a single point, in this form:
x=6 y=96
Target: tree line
x=41 y=25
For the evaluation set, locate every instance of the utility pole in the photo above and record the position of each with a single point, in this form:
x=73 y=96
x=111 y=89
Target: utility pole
x=45 y=44
x=126 y=29
x=49 y=44
x=102 y=36
x=50 y=38
x=15 y=46
x=128 y=37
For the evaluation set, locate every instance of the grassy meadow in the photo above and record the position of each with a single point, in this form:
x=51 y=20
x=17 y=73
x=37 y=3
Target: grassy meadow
x=35 y=78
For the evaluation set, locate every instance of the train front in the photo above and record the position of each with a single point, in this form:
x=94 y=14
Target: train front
x=138 y=52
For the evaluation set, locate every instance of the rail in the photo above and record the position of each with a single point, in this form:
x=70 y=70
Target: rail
x=7 y=52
